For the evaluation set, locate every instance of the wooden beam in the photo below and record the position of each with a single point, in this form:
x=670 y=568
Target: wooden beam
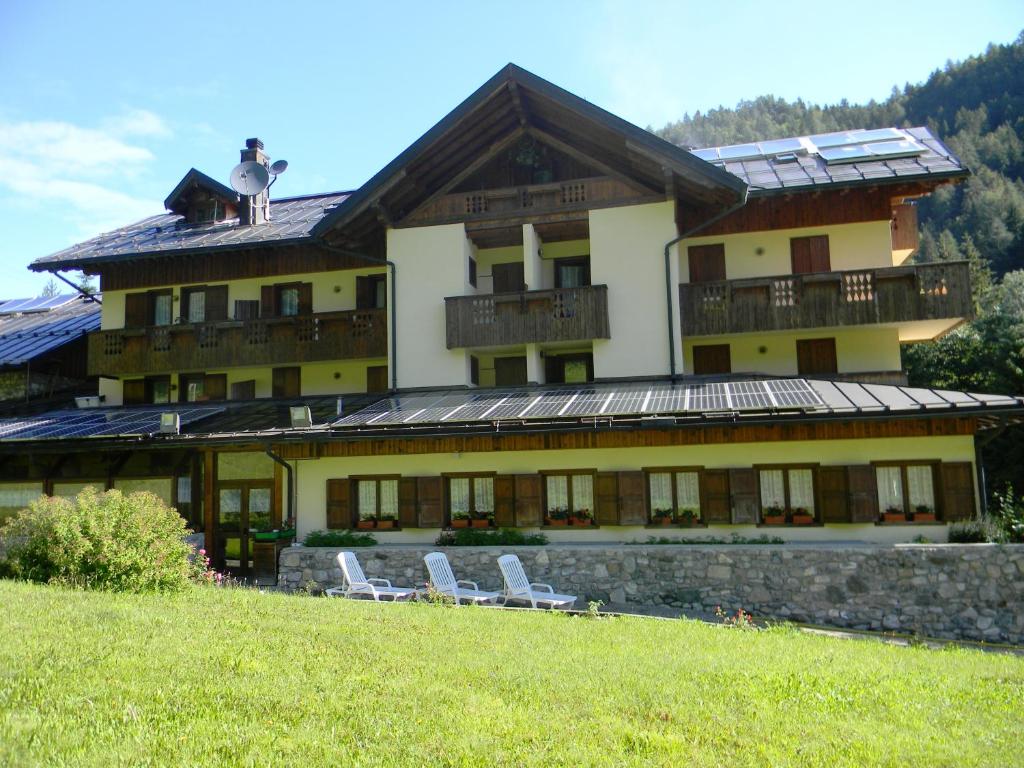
x=517 y=102
x=670 y=182
x=587 y=159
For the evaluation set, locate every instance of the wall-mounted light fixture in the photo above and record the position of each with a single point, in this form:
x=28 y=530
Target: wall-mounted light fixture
x=300 y=416
x=170 y=423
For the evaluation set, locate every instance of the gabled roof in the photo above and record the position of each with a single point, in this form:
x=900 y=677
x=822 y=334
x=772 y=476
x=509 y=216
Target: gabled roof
x=515 y=101
x=789 y=164
x=176 y=202
x=29 y=334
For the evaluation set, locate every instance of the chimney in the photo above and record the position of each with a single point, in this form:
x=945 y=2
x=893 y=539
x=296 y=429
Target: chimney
x=255 y=209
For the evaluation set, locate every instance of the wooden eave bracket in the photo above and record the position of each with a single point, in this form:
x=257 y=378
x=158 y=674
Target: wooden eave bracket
x=517 y=102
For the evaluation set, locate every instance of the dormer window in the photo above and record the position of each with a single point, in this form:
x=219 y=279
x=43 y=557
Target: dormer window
x=207 y=211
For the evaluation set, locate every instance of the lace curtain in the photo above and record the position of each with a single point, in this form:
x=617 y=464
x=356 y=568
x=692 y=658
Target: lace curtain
x=389 y=497
x=558 y=492
x=196 y=307
x=801 y=489
x=921 y=489
x=483 y=494
x=661 y=490
x=367 y=499
x=582 y=492
x=773 y=493
x=289 y=302
x=890 y=488
x=688 y=490
x=458 y=494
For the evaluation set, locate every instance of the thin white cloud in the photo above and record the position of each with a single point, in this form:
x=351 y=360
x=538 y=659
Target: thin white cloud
x=137 y=122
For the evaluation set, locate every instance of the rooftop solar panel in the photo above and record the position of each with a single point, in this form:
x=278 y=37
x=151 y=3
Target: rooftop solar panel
x=97 y=423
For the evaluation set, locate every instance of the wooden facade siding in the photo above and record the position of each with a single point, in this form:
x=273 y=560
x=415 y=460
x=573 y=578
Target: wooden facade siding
x=904 y=227
x=271 y=341
x=827 y=299
x=498 y=319
x=651 y=438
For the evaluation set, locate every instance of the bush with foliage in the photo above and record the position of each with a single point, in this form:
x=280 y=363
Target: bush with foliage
x=112 y=541
x=977 y=531
x=481 y=537
x=339 y=539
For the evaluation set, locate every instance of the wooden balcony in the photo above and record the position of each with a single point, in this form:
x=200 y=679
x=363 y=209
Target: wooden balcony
x=502 y=319
x=827 y=299
x=265 y=342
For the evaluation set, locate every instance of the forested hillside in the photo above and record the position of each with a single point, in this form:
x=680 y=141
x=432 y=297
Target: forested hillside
x=977 y=108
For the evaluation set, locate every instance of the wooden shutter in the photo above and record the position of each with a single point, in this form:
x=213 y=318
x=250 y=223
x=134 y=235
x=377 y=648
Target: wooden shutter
x=507 y=278
x=268 y=301
x=862 y=485
x=957 y=484
x=707 y=262
x=809 y=254
x=136 y=310
x=186 y=301
x=134 y=391
x=528 y=500
x=287 y=382
x=816 y=356
x=216 y=303
x=244 y=390
x=711 y=358
x=504 y=501
x=835 y=501
x=715 y=507
x=632 y=498
x=365 y=292
x=743 y=495
x=472 y=271
x=429 y=509
x=607 y=499
x=474 y=369
x=246 y=309
x=305 y=298
x=338 y=513
x=377 y=378
x=408 y=516
x=509 y=371
x=215 y=386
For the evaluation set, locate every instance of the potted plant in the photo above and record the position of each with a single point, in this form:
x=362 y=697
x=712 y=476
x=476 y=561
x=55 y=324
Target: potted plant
x=773 y=515
x=687 y=517
x=387 y=521
x=801 y=516
x=661 y=516
x=460 y=519
x=365 y=523
x=557 y=517
x=894 y=515
x=582 y=517
x=924 y=514
x=481 y=519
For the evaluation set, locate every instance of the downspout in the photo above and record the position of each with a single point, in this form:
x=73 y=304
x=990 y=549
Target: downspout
x=668 y=276
x=87 y=295
x=291 y=484
x=392 y=302
x=979 y=466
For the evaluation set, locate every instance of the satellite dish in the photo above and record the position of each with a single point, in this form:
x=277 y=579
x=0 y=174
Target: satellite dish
x=279 y=167
x=249 y=178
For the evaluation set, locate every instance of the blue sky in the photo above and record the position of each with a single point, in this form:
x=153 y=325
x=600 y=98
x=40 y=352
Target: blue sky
x=105 y=105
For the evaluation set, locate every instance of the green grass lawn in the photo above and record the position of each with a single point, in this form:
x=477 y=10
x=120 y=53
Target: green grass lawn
x=233 y=678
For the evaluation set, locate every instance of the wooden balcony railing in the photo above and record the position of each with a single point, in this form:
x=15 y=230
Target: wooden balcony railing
x=272 y=341
x=500 y=319
x=827 y=299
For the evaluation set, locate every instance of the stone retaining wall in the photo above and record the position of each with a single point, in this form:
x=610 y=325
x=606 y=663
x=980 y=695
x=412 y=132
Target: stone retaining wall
x=956 y=591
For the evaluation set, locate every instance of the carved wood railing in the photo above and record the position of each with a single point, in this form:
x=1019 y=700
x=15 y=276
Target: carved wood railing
x=271 y=341
x=827 y=299
x=500 y=319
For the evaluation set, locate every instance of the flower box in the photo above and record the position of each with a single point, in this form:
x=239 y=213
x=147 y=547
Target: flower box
x=556 y=522
x=894 y=517
x=773 y=519
x=581 y=521
x=385 y=524
x=460 y=523
x=803 y=519
x=924 y=517
x=364 y=525
x=485 y=523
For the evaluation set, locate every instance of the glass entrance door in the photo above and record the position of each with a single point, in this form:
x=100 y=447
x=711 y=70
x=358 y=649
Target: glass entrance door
x=242 y=507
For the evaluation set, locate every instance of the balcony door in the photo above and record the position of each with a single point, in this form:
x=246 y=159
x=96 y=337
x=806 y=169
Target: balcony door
x=242 y=506
x=706 y=262
x=810 y=254
x=507 y=278
x=816 y=356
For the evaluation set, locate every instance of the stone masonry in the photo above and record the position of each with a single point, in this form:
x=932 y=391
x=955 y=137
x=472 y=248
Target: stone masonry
x=954 y=591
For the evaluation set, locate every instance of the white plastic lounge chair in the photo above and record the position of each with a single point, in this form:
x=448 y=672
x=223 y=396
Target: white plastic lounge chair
x=356 y=582
x=443 y=580
x=518 y=587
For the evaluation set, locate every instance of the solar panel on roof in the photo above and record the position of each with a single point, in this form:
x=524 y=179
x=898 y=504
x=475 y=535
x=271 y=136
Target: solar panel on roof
x=68 y=424
x=778 y=146
x=739 y=151
x=793 y=393
x=711 y=153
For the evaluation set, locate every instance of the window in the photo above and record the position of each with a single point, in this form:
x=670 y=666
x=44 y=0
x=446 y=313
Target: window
x=787 y=492
x=197 y=387
x=507 y=278
x=197 y=307
x=376 y=498
x=709 y=359
x=162 y=308
x=158 y=389
x=816 y=356
x=288 y=302
x=204 y=304
x=674 y=494
x=569 y=369
x=474 y=369
x=706 y=262
x=569 y=494
x=471 y=496
x=906 y=488
x=472 y=271
x=372 y=292
x=809 y=254
x=509 y=371
x=572 y=273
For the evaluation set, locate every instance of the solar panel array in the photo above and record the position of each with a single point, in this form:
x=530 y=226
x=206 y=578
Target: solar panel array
x=834 y=148
x=453 y=407
x=89 y=422
x=38 y=304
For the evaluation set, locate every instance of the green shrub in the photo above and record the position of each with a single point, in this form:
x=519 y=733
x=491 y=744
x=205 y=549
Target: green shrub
x=734 y=538
x=338 y=539
x=481 y=537
x=977 y=531
x=1009 y=514
x=111 y=541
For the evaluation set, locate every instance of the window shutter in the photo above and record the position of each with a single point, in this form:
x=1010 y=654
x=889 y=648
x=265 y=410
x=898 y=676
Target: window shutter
x=216 y=303
x=268 y=303
x=607 y=499
x=743 y=495
x=186 y=299
x=715 y=507
x=632 y=499
x=134 y=391
x=246 y=309
x=835 y=500
x=305 y=298
x=286 y=382
x=244 y=390
x=428 y=502
x=407 y=515
x=528 y=500
x=706 y=262
x=504 y=501
x=507 y=278
x=136 y=310
x=364 y=293
x=215 y=386
x=957 y=490
x=338 y=514
x=863 y=492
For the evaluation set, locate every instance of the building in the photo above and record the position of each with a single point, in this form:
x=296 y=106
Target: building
x=538 y=315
